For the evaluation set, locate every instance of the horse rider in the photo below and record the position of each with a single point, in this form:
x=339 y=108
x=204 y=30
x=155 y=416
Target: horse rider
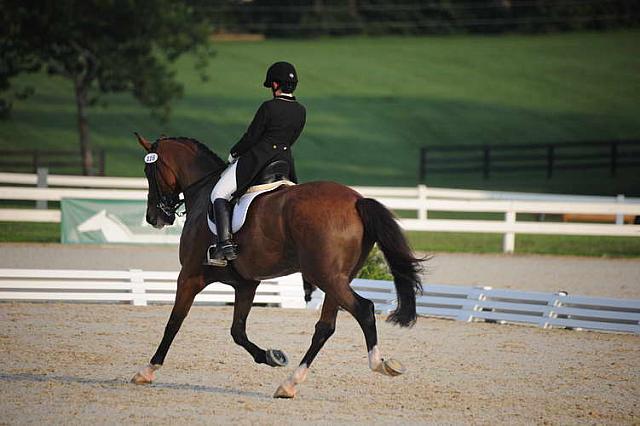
x=275 y=127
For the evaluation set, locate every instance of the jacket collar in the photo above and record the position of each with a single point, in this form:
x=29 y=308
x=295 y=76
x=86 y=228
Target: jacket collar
x=285 y=97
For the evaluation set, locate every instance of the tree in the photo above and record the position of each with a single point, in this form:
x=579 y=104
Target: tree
x=101 y=46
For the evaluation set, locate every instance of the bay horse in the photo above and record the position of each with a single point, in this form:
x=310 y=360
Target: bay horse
x=322 y=229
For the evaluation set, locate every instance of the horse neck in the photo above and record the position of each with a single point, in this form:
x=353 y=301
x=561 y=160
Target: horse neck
x=192 y=169
x=191 y=174
x=197 y=179
x=199 y=192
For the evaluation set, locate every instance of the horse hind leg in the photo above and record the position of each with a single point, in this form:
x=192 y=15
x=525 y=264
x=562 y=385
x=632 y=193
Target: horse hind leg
x=325 y=327
x=363 y=311
x=309 y=288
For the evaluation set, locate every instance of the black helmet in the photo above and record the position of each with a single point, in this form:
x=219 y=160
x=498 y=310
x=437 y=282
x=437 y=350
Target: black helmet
x=283 y=73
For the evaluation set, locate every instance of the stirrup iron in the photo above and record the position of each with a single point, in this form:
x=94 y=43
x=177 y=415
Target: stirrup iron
x=212 y=260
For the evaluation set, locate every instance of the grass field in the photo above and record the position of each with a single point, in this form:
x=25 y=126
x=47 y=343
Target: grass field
x=372 y=102
x=422 y=241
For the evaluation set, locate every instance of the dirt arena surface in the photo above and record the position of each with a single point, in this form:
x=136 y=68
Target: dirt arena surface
x=586 y=276
x=71 y=363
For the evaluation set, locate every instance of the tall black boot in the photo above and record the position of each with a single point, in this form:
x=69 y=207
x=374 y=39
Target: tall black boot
x=225 y=248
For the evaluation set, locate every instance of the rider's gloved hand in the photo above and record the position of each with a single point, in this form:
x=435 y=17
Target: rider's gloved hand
x=232 y=159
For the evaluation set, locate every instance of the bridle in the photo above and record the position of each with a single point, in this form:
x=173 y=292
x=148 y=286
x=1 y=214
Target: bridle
x=168 y=203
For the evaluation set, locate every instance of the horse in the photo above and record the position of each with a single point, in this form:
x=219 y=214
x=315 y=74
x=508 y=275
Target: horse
x=324 y=230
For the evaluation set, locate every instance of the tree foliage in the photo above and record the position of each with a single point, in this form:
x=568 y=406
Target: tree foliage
x=101 y=46
x=375 y=267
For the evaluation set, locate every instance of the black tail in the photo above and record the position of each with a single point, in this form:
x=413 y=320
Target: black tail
x=380 y=226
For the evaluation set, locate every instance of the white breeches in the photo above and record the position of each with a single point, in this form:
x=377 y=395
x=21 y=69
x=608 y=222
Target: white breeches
x=227 y=184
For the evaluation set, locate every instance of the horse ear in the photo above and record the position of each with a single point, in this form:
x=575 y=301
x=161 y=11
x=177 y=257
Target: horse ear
x=142 y=141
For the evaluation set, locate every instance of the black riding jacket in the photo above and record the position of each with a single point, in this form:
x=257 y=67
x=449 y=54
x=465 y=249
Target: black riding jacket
x=274 y=129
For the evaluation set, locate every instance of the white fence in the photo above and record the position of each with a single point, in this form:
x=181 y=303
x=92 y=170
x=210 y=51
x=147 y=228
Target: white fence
x=445 y=301
x=420 y=199
x=45 y=180
x=546 y=310
x=133 y=286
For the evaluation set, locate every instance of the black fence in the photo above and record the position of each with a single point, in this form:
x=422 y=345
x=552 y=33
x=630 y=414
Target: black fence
x=546 y=158
x=29 y=160
x=281 y=18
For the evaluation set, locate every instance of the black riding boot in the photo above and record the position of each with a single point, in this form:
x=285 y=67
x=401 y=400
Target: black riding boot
x=225 y=248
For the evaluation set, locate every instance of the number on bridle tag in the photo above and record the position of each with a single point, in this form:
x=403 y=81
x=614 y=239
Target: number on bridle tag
x=151 y=158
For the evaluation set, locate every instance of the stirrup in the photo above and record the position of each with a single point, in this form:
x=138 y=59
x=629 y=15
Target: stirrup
x=229 y=250
x=212 y=259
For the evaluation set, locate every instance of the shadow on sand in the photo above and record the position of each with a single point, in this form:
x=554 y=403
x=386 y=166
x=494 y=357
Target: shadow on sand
x=43 y=378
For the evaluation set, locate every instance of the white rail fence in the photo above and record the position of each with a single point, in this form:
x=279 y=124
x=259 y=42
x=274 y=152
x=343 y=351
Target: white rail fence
x=418 y=192
x=134 y=286
x=44 y=179
x=420 y=199
x=468 y=304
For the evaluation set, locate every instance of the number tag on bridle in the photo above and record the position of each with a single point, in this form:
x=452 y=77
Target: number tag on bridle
x=151 y=158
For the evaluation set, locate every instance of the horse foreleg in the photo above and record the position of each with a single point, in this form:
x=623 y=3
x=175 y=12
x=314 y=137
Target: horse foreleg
x=187 y=291
x=324 y=329
x=243 y=302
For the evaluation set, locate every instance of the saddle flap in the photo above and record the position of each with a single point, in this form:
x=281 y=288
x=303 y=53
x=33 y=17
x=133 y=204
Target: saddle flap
x=241 y=208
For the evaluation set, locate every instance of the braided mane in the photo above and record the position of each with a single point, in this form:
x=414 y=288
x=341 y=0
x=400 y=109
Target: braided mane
x=202 y=148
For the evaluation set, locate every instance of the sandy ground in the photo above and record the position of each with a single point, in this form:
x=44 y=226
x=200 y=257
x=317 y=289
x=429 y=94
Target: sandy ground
x=587 y=276
x=70 y=363
x=89 y=256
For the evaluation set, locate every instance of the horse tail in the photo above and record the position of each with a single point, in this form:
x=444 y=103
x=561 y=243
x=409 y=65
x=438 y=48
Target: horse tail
x=381 y=227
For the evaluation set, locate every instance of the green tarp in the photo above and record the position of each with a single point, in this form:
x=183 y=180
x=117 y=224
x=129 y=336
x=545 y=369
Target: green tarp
x=112 y=222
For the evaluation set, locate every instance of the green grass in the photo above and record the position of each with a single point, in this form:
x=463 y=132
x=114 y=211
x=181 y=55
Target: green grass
x=526 y=244
x=29 y=232
x=421 y=241
x=372 y=102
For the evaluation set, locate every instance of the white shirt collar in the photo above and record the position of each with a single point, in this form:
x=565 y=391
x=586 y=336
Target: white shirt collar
x=290 y=95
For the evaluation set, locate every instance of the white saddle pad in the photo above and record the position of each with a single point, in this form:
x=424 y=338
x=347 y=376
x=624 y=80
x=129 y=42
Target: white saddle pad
x=241 y=208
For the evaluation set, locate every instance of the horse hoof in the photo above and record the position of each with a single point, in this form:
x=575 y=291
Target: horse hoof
x=276 y=358
x=140 y=379
x=393 y=367
x=283 y=392
x=145 y=376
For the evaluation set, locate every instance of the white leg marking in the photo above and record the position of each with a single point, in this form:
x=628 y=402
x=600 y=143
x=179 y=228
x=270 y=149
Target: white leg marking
x=288 y=388
x=375 y=360
x=389 y=367
x=298 y=376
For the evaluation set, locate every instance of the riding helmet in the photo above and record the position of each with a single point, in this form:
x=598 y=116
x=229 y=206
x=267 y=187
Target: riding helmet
x=283 y=73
